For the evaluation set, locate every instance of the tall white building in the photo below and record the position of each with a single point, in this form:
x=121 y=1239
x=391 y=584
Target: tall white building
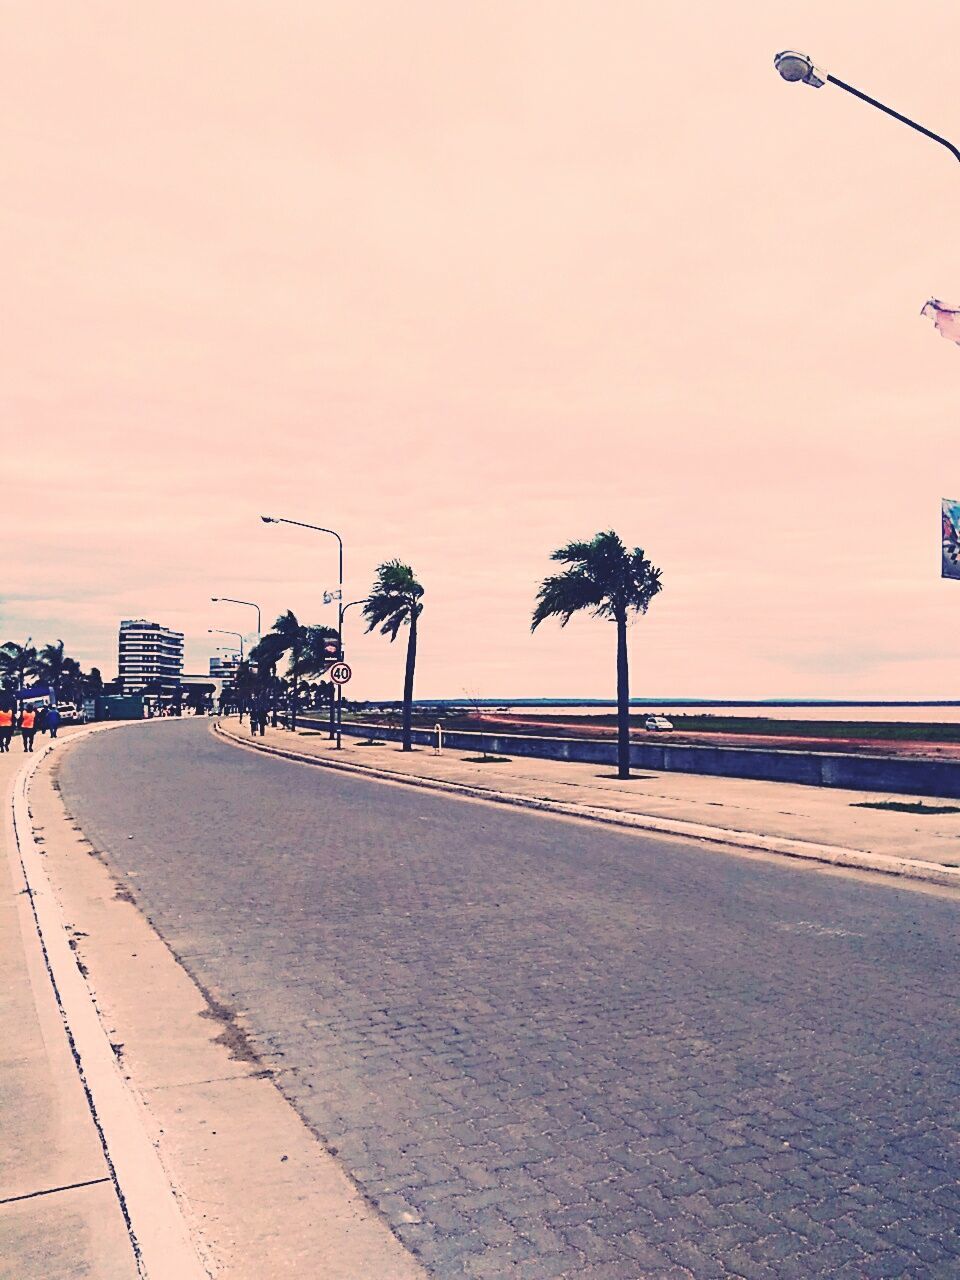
x=149 y=653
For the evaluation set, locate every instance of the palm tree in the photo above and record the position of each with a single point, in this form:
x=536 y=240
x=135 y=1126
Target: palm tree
x=266 y=654
x=611 y=582
x=293 y=638
x=52 y=662
x=243 y=684
x=71 y=682
x=395 y=600
x=91 y=684
x=315 y=659
x=18 y=661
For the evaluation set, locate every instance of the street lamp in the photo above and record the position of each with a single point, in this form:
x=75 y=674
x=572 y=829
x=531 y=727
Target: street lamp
x=799 y=67
x=317 y=528
x=231 y=600
x=220 y=632
x=343 y=610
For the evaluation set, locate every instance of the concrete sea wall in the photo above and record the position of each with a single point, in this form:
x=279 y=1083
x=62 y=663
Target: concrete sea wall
x=813 y=768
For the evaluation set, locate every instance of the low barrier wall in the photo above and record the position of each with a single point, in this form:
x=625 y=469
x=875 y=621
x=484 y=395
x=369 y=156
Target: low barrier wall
x=813 y=768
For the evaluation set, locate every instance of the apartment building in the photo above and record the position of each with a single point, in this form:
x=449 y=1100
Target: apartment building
x=149 y=654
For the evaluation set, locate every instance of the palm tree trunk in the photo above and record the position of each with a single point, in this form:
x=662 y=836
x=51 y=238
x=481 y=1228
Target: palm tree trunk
x=408 y=684
x=623 y=700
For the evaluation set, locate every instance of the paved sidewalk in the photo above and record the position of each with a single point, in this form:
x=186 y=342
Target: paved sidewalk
x=774 y=810
x=60 y=1217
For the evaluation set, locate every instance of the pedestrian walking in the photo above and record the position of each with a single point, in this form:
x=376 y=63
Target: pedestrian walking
x=41 y=721
x=6 y=728
x=52 y=721
x=28 y=727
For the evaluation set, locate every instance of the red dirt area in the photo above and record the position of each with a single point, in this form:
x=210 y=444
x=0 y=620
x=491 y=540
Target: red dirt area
x=784 y=742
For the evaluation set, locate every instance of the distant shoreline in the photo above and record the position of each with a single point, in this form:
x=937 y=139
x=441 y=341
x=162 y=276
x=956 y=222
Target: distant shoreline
x=666 y=702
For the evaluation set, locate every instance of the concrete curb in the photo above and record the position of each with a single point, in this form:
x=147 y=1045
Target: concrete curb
x=158 y=1233
x=834 y=855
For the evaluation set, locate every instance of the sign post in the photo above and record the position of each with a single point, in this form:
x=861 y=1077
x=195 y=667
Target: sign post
x=339 y=673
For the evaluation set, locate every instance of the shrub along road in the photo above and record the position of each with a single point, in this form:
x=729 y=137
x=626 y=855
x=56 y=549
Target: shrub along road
x=546 y=1049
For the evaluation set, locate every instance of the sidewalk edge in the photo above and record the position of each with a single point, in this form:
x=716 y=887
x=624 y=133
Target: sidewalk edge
x=158 y=1233
x=833 y=855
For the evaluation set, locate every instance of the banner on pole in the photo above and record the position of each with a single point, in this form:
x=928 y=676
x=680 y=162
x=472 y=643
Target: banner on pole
x=950 y=563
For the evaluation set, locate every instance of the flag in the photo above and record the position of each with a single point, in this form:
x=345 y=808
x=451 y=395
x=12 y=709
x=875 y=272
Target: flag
x=947 y=319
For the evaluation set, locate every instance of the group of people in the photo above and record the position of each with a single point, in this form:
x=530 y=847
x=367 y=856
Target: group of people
x=30 y=721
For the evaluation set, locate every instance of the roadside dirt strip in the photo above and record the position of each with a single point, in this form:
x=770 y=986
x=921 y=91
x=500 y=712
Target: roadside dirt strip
x=219 y=1174
x=832 y=855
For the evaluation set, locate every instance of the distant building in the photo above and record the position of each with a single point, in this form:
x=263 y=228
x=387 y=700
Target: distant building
x=149 y=654
x=223 y=666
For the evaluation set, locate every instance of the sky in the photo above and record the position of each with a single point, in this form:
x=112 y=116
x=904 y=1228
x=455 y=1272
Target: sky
x=464 y=281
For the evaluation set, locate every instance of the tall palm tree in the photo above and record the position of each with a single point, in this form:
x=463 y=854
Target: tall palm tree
x=395 y=601
x=612 y=582
x=293 y=637
x=18 y=661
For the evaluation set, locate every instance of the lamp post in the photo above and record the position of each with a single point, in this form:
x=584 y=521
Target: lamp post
x=317 y=528
x=220 y=632
x=343 y=610
x=800 y=67
x=249 y=603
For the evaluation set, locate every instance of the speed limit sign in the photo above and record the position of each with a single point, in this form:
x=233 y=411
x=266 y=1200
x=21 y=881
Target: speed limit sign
x=339 y=673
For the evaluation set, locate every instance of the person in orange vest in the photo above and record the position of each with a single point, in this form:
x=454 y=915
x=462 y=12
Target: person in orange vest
x=28 y=727
x=6 y=728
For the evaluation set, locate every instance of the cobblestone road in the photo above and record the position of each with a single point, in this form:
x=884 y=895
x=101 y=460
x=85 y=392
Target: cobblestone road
x=547 y=1050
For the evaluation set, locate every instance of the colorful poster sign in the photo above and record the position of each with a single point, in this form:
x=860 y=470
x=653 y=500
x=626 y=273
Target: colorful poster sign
x=950 y=564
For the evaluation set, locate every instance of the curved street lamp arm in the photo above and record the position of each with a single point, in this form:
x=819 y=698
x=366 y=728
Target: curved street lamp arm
x=233 y=600
x=865 y=97
x=317 y=528
x=221 y=632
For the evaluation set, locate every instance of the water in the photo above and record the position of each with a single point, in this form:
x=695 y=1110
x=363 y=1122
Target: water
x=909 y=713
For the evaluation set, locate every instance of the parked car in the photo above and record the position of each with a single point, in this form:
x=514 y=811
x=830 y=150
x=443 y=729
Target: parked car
x=70 y=714
x=657 y=723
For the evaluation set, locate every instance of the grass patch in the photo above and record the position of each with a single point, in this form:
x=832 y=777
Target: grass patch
x=486 y=759
x=905 y=806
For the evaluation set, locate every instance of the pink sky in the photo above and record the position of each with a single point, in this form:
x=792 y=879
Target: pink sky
x=468 y=280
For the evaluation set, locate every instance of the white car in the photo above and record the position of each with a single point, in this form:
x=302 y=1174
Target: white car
x=69 y=714
x=657 y=723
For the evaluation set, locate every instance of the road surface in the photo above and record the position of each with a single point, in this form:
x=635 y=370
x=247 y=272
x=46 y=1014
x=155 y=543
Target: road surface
x=547 y=1049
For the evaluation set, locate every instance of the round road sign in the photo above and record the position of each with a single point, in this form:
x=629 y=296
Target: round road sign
x=339 y=673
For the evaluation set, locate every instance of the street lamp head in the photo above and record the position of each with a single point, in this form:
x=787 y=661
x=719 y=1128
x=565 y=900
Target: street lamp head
x=799 y=66
x=268 y=520
x=215 y=599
